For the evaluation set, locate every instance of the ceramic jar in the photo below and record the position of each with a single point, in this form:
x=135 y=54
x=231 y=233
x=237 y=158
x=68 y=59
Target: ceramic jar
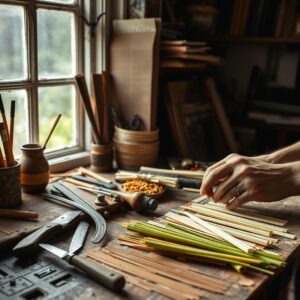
x=101 y=158
x=34 y=168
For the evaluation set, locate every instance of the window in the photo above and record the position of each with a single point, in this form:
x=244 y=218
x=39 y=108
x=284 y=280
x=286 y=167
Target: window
x=40 y=53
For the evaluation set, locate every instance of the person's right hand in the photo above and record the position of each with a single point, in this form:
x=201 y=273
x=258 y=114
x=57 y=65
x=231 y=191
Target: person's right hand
x=238 y=179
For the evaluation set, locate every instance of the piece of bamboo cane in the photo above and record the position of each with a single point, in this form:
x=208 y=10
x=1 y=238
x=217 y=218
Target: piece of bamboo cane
x=81 y=83
x=184 y=173
x=248 y=214
x=191 y=190
x=224 y=235
x=254 y=224
x=246 y=236
x=140 y=272
x=266 y=233
x=236 y=219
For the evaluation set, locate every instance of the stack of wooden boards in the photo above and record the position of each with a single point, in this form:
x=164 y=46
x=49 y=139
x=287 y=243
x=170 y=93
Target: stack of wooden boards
x=153 y=272
x=187 y=50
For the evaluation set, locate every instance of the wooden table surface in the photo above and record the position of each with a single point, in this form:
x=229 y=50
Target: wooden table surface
x=242 y=286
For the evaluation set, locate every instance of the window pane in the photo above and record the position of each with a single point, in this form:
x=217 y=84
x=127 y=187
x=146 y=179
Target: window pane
x=56 y=44
x=13 y=62
x=54 y=100
x=21 y=124
x=60 y=1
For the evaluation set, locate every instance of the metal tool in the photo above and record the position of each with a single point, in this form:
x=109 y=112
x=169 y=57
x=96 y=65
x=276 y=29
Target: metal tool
x=106 y=277
x=110 y=186
x=135 y=123
x=101 y=201
x=78 y=202
x=79 y=237
x=30 y=242
x=138 y=201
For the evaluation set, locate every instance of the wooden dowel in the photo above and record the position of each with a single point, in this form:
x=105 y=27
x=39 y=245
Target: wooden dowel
x=51 y=131
x=184 y=173
x=79 y=183
x=94 y=175
x=10 y=161
x=12 y=122
x=18 y=214
x=191 y=190
x=81 y=84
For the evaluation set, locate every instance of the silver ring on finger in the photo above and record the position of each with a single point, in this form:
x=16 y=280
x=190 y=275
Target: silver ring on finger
x=237 y=192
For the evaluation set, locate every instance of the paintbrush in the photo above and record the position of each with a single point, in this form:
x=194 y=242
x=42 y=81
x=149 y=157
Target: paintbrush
x=2 y=110
x=81 y=84
x=51 y=131
x=12 y=122
x=10 y=161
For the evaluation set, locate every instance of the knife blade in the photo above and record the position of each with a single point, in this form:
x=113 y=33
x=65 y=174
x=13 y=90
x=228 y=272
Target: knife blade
x=79 y=237
x=30 y=242
x=104 y=276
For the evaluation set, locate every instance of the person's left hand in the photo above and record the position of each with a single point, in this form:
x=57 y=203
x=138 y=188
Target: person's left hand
x=237 y=179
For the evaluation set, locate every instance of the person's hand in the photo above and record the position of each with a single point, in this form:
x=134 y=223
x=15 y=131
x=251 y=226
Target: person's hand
x=238 y=179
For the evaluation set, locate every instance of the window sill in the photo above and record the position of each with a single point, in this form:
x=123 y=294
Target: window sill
x=68 y=162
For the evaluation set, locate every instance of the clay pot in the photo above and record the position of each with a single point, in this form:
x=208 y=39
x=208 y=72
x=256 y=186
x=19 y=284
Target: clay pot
x=34 y=169
x=101 y=158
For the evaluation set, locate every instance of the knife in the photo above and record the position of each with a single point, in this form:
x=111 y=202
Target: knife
x=30 y=242
x=106 y=277
x=110 y=186
x=79 y=237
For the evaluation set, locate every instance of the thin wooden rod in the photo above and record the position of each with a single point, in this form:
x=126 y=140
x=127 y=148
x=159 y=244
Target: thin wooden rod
x=51 y=131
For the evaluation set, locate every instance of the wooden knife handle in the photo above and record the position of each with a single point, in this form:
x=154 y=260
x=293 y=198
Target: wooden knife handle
x=29 y=243
x=104 y=276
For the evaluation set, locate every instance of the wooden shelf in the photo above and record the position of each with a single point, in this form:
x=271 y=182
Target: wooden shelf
x=257 y=40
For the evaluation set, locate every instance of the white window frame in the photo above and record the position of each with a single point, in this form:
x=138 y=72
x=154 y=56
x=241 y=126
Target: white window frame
x=91 y=57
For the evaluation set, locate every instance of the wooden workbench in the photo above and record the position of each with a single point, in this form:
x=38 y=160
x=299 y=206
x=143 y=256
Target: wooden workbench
x=252 y=285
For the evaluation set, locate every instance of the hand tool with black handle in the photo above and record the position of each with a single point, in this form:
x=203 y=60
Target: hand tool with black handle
x=29 y=243
x=104 y=276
